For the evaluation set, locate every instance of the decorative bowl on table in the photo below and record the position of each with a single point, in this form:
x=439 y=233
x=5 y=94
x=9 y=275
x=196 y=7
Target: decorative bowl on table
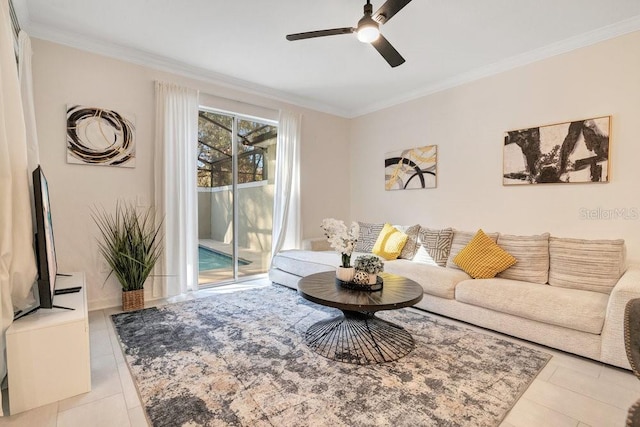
x=377 y=286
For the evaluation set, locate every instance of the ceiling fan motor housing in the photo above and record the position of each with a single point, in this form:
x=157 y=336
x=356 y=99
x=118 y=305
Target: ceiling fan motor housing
x=368 y=29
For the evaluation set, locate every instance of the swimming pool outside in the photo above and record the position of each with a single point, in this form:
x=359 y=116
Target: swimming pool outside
x=209 y=259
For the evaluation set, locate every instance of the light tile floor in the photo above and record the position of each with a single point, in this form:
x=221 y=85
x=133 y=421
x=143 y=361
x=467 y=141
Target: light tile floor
x=570 y=391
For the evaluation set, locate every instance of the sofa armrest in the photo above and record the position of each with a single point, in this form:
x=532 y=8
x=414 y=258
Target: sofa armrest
x=613 y=349
x=316 y=244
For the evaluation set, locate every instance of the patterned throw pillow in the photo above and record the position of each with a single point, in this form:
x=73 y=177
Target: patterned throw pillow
x=411 y=246
x=389 y=243
x=367 y=236
x=433 y=246
x=482 y=258
x=460 y=240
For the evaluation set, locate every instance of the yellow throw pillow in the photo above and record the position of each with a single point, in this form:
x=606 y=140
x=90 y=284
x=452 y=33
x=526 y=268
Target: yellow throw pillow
x=482 y=258
x=390 y=242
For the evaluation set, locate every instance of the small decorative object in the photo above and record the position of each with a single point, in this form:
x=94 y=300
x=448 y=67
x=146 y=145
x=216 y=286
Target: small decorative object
x=412 y=168
x=371 y=265
x=342 y=240
x=97 y=136
x=131 y=245
x=361 y=278
x=561 y=153
x=354 y=286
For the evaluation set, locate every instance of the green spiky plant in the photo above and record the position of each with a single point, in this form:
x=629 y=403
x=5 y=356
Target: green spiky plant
x=131 y=243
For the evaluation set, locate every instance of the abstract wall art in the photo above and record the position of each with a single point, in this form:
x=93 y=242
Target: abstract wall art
x=411 y=169
x=98 y=136
x=568 y=152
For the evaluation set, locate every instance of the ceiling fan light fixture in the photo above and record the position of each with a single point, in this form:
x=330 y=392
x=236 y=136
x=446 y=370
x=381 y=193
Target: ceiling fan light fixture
x=368 y=30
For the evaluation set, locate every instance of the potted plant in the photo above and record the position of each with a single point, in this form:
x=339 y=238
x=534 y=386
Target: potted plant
x=371 y=265
x=131 y=245
x=342 y=240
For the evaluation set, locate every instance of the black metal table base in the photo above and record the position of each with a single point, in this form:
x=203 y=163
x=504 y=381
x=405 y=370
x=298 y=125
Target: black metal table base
x=359 y=338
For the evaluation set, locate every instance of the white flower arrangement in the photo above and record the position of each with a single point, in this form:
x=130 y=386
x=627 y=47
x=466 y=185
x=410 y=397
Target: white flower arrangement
x=340 y=238
x=369 y=263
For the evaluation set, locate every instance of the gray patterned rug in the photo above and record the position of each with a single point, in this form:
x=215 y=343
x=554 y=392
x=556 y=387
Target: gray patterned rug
x=239 y=359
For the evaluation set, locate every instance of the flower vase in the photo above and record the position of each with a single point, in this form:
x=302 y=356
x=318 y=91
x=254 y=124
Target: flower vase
x=345 y=273
x=372 y=279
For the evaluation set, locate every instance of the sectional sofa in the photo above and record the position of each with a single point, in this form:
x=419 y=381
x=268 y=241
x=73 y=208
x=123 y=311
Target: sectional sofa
x=569 y=294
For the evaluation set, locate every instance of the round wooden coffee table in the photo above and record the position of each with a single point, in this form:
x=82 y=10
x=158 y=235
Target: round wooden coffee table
x=357 y=335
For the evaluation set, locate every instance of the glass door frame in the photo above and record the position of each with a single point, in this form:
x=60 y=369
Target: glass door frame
x=236 y=117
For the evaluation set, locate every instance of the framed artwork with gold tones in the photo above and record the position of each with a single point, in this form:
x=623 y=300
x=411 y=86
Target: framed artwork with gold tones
x=569 y=152
x=411 y=169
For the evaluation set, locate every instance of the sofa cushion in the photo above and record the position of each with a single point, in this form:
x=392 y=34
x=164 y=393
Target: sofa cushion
x=433 y=246
x=460 y=240
x=303 y=263
x=532 y=257
x=367 y=236
x=569 y=308
x=437 y=281
x=482 y=258
x=411 y=246
x=389 y=243
x=591 y=265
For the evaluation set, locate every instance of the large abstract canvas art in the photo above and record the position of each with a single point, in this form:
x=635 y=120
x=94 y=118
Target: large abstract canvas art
x=98 y=136
x=411 y=169
x=568 y=152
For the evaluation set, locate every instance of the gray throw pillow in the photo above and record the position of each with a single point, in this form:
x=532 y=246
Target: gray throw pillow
x=367 y=236
x=433 y=246
x=411 y=246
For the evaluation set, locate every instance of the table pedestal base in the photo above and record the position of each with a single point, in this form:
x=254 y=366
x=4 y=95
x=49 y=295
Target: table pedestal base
x=360 y=338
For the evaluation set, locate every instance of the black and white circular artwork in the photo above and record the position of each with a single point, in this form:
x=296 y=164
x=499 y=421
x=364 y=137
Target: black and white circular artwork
x=99 y=136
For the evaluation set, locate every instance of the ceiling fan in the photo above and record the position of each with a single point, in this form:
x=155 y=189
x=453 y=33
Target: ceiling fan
x=368 y=30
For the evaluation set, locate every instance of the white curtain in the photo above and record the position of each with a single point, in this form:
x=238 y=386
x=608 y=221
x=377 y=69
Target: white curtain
x=287 y=223
x=176 y=152
x=17 y=259
x=23 y=296
x=26 y=89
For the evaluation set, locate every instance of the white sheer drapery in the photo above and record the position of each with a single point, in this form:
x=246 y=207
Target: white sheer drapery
x=26 y=89
x=286 y=206
x=17 y=259
x=23 y=296
x=176 y=153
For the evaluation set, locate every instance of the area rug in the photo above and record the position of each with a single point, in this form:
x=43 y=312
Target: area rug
x=239 y=359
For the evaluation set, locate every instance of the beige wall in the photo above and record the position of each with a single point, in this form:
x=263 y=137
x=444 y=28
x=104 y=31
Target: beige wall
x=467 y=124
x=64 y=75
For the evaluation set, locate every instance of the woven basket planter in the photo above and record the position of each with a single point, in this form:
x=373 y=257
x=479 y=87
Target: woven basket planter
x=133 y=300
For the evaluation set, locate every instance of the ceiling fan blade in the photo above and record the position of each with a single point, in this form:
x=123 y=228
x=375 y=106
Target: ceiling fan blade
x=388 y=52
x=390 y=8
x=321 y=33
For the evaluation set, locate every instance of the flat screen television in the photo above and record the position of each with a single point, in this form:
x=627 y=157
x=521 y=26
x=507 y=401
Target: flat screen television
x=45 y=247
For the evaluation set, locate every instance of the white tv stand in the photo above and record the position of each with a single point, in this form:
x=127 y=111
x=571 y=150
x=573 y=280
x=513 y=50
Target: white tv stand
x=48 y=355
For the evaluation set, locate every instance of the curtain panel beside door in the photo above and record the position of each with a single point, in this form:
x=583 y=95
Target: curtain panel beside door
x=175 y=188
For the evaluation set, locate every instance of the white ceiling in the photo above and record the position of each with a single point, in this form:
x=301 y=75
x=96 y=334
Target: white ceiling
x=242 y=42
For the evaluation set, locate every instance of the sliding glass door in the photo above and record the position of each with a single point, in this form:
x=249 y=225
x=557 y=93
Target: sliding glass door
x=236 y=161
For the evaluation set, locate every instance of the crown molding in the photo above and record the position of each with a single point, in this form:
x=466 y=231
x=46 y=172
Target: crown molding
x=587 y=39
x=157 y=62
x=148 y=59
